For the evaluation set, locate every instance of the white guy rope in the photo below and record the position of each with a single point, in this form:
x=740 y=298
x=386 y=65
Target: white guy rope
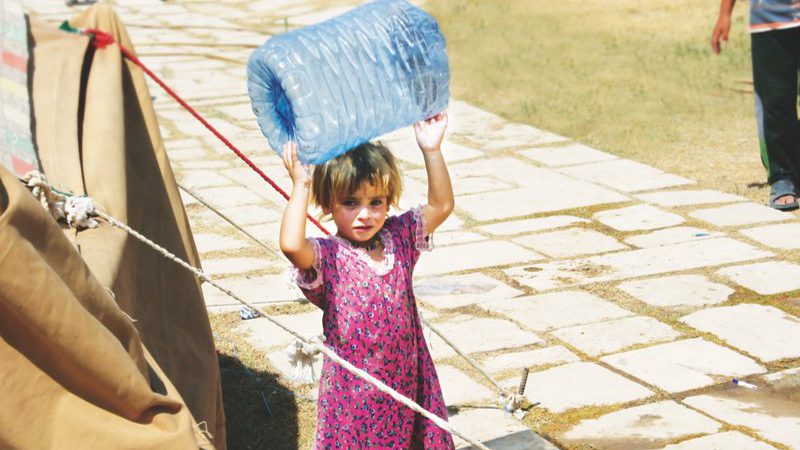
x=510 y=402
x=301 y=358
x=441 y=423
x=224 y=217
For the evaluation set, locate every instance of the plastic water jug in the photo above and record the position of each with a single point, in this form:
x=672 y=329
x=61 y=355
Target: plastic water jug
x=337 y=84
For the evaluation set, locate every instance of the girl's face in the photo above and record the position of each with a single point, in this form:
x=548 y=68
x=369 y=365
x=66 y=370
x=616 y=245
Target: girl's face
x=360 y=215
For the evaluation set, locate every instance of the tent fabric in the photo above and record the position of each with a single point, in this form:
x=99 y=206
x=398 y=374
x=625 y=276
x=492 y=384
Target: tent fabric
x=74 y=371
x=97 y=135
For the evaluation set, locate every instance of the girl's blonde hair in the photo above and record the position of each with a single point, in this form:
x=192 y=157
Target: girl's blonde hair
x=343 y=175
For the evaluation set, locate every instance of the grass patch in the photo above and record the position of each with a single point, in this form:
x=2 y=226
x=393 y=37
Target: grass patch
x=631 y=77
x=261 y=410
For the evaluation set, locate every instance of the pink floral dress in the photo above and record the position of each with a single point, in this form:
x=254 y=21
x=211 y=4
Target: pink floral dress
x=370 y=319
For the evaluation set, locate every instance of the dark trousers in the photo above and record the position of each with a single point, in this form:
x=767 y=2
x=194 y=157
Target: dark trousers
x=776 y=61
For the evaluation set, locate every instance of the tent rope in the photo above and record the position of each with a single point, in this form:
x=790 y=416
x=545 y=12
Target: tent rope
x=441 y=423
x=58 y=196
x=510 y=402
x=102 y=39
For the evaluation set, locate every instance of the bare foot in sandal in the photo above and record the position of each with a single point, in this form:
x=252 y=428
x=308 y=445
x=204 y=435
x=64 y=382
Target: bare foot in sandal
x=783 y=195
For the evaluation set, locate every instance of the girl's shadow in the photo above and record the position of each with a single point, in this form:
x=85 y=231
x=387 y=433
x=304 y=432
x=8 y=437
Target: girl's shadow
x=260 y=412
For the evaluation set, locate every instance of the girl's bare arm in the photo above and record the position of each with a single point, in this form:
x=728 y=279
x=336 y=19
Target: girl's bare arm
x=293 y=241
x=430 y=134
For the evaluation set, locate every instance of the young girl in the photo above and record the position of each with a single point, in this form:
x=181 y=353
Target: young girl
x=361 y=279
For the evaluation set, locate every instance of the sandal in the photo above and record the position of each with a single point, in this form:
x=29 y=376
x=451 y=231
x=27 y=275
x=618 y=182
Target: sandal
x=782 y=188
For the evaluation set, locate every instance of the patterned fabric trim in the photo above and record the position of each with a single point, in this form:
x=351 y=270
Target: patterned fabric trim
x=386 y=264
x=421 y=242
x=303 y=278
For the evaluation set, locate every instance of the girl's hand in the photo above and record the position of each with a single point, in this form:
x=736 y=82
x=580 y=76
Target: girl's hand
x=298 y=172
x=430 y=132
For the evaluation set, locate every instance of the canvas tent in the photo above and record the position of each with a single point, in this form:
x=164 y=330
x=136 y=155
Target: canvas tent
x=103 y=342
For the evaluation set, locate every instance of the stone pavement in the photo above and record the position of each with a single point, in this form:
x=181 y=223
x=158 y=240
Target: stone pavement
x=633 y=296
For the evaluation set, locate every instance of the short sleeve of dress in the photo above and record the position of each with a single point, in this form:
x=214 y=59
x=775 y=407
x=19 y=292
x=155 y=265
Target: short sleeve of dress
x=310 y=281
x=408 y=232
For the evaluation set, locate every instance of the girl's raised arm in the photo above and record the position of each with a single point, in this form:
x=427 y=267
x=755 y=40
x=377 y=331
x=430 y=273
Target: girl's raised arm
x=430 y=133
x=293 y=241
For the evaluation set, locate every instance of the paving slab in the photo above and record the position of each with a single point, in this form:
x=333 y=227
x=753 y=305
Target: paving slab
x=239 y=112
x=557 y=354
x=207 y=242
x=566 y=155
x=557 y=310
x=262 y=289
x=767 y=278
x=318 y=16
x=200 y=164
x=765 y=332
x=187 y=199
x=784 y=236
x=232 y=266
x=473 y=256
x=740 y=214
x=403 y=145
x=459 y=389
x=645 y=426
x=635 y=263
x=195 y=179
x=625 y=175
x=570 y=242
x=180 y=144
x=454 y=291
x=722 y=441
x=477 y=184
x=509 y=228
x=186 y=154
x=446 y=238
x=677 y=291
x=251 y=181
x=637 y=218
x=772 y=417
x=222 y=197
x=438 y=348
x=485 y=334
x=615 y=335
x=496 y=430
x=576 y=385
x=673 y=235
x=266 y=336
x=541 y=190
x=252 y=214
x=465 y=118
x=689 y=197
x=553 y=195
x=684 y=365
x=788 y=377
x=511 y=135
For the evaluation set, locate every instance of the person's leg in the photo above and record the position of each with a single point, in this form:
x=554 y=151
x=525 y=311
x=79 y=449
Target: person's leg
x=775 y=69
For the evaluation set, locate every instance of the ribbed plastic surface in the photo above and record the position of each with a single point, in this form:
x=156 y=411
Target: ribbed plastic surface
x=337 y=84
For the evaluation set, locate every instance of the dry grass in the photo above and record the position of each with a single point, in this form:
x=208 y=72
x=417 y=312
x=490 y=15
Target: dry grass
x=631 y=77
x=261 y=410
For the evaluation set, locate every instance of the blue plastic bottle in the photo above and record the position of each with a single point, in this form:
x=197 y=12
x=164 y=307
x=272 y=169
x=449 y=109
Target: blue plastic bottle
x=337 y=84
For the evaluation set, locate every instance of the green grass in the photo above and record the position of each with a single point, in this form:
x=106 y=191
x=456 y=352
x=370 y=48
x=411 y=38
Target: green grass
x=635 y=78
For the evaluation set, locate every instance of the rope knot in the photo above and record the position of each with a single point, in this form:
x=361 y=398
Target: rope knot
x=302 y=357
x=100 y=38
x=51 y=201
x=79 y=212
